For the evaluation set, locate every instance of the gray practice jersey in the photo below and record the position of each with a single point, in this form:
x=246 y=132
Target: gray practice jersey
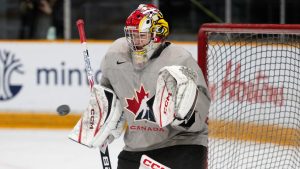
x=136 y=91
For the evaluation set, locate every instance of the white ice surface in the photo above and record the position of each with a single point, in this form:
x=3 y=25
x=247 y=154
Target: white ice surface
x=49 y=149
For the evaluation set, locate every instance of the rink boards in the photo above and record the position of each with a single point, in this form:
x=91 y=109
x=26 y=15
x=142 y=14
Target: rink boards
x=48 y=74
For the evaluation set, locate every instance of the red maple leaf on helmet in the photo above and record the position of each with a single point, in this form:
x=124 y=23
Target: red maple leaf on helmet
x=134 y=103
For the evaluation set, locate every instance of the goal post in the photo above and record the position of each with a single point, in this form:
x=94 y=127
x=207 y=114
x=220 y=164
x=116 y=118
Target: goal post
x=253 y=74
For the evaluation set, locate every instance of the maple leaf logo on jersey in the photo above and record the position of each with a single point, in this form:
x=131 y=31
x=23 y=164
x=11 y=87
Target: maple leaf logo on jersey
x=141 y=105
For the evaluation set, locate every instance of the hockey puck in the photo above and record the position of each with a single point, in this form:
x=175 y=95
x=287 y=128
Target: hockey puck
x=63 y=110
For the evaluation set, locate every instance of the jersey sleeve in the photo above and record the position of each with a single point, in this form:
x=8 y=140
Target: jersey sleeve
x=116 y=50
x=104 y=81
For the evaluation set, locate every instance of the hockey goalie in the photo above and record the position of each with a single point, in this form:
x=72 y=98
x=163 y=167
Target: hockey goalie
x=158 y=90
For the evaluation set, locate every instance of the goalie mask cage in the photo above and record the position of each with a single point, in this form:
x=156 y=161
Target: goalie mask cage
x=252 y=71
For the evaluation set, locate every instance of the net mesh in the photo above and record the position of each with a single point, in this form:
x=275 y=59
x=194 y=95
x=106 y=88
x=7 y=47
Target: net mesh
x=254 y=119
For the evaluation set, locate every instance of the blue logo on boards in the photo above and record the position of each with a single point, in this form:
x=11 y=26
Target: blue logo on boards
x=10 y=66
x=12 y=74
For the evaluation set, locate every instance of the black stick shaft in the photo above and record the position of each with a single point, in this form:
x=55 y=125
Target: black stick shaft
x=105 y=159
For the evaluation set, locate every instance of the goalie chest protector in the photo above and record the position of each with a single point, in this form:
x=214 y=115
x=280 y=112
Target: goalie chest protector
x=136 y=91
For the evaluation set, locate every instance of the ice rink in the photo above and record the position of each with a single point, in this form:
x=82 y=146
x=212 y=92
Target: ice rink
x=49 y=149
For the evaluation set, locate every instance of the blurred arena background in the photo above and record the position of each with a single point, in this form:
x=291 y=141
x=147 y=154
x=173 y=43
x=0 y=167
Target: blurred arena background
x=106 y=18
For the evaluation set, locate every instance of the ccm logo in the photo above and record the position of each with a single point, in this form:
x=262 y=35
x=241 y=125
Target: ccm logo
x=152 y=164
x=92 y=119
x=167 y=103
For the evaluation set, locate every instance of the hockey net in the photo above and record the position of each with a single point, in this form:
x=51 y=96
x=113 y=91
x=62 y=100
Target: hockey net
x=253 y=73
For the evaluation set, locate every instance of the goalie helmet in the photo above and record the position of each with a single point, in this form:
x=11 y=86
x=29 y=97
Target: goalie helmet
x=145 y=30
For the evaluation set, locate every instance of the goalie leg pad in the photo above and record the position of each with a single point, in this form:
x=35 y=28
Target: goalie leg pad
x=148 y=163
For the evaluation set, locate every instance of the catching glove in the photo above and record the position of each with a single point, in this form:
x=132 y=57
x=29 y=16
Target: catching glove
x=176 y=95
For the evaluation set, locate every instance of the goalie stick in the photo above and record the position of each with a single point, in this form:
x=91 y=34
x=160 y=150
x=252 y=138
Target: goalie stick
x=90 y=75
